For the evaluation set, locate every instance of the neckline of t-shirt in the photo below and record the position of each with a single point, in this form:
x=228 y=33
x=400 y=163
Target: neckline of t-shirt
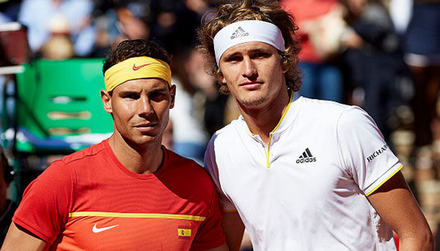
x=122 y=168
x=286 y=120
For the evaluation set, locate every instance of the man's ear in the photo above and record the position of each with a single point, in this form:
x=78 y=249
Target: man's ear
x=173 y=95
x=222 y=80
x=284 y=68
x=106 y=101
x=219 y=76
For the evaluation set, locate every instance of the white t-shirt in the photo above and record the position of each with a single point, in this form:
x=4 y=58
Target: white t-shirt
x=307 y=190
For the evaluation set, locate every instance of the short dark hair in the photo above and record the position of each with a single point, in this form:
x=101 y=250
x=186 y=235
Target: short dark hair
x=264 y=10
x=135 y=48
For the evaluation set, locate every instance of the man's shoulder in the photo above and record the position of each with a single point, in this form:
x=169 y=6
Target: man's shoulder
x=175 y=160
x=324 y=105
x=85 y=154
x=325 y=110
x=187 y=170
x=234 y=127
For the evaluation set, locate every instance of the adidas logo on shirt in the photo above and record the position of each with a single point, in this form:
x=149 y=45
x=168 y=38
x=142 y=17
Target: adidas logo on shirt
x=239 y=33
x=306 y=157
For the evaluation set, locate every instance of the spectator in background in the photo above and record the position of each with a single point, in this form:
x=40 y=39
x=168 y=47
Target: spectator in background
x=59 y=45
x=135 y=18
x=216 y=109
x=170 y=23
x=320 y=25
x=422 y=54
x=9 y=10
x=200 y=7
x=400 y=14
x=175 y=28
x=189 y=135
x=37 y=15
x=200 y=110
x=105 y=20
x=373 y=61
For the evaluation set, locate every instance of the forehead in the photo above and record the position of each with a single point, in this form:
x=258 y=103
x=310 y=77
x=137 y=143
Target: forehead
x=250 y=47
x=142 y=84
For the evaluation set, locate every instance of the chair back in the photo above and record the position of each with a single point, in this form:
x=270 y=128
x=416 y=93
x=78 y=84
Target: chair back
x=58 y=106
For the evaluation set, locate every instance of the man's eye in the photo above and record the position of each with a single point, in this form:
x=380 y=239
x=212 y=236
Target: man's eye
x=260 y=55
x=130 y=96
x=157 y=95
x=233 y=58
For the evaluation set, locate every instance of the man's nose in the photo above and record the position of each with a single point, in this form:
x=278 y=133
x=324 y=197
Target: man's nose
x=145 y=106
x=249 y=68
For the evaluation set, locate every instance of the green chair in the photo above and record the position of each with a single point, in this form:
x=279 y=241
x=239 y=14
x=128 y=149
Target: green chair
x=58 y=109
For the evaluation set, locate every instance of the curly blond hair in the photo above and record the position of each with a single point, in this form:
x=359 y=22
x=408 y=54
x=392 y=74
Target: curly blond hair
x=263 y=10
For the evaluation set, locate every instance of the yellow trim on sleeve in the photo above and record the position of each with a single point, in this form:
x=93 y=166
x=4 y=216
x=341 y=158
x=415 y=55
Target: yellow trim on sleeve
x=138 y=215
x=377 y=187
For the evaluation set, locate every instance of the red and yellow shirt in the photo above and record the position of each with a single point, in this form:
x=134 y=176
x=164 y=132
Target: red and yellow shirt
x=89 y=201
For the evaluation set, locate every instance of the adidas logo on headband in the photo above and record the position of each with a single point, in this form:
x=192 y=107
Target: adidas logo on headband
x=239 y=33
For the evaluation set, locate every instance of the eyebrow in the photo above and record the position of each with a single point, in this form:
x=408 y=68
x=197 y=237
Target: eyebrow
x=259 y=49
x=127 y=92
x=156 y=89
x=159 y=89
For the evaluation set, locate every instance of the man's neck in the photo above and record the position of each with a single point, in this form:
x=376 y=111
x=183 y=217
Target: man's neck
x=263 y=120
x=143 y=160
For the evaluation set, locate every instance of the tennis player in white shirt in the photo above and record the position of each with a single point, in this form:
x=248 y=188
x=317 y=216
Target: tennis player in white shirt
x=298 y=173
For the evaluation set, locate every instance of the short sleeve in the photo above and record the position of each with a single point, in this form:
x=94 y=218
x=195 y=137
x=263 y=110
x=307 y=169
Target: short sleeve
x=210 y=233
x=364 y=153
x=44 y=208
x=211 y=167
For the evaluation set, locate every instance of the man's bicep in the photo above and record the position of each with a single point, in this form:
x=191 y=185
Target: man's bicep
x=396 y=204
x=18 y=238
x=233 y=228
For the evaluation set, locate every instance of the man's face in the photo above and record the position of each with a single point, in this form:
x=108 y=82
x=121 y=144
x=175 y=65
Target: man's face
x=253 y=73
x=140 y=109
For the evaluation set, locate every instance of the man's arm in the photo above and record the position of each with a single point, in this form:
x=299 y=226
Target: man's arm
x=19 y=239
x=396 y=204
x=233 y=228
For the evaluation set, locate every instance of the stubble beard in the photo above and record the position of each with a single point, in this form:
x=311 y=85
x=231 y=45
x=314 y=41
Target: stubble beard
x=253 y=101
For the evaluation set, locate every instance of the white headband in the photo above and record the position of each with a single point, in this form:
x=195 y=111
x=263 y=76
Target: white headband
x=247 y=31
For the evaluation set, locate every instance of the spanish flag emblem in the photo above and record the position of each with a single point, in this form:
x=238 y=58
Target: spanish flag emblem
x=184 y=232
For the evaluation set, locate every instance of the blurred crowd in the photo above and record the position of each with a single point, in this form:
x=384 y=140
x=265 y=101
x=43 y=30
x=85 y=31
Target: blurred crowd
x=382 y=55
x=63 y=29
